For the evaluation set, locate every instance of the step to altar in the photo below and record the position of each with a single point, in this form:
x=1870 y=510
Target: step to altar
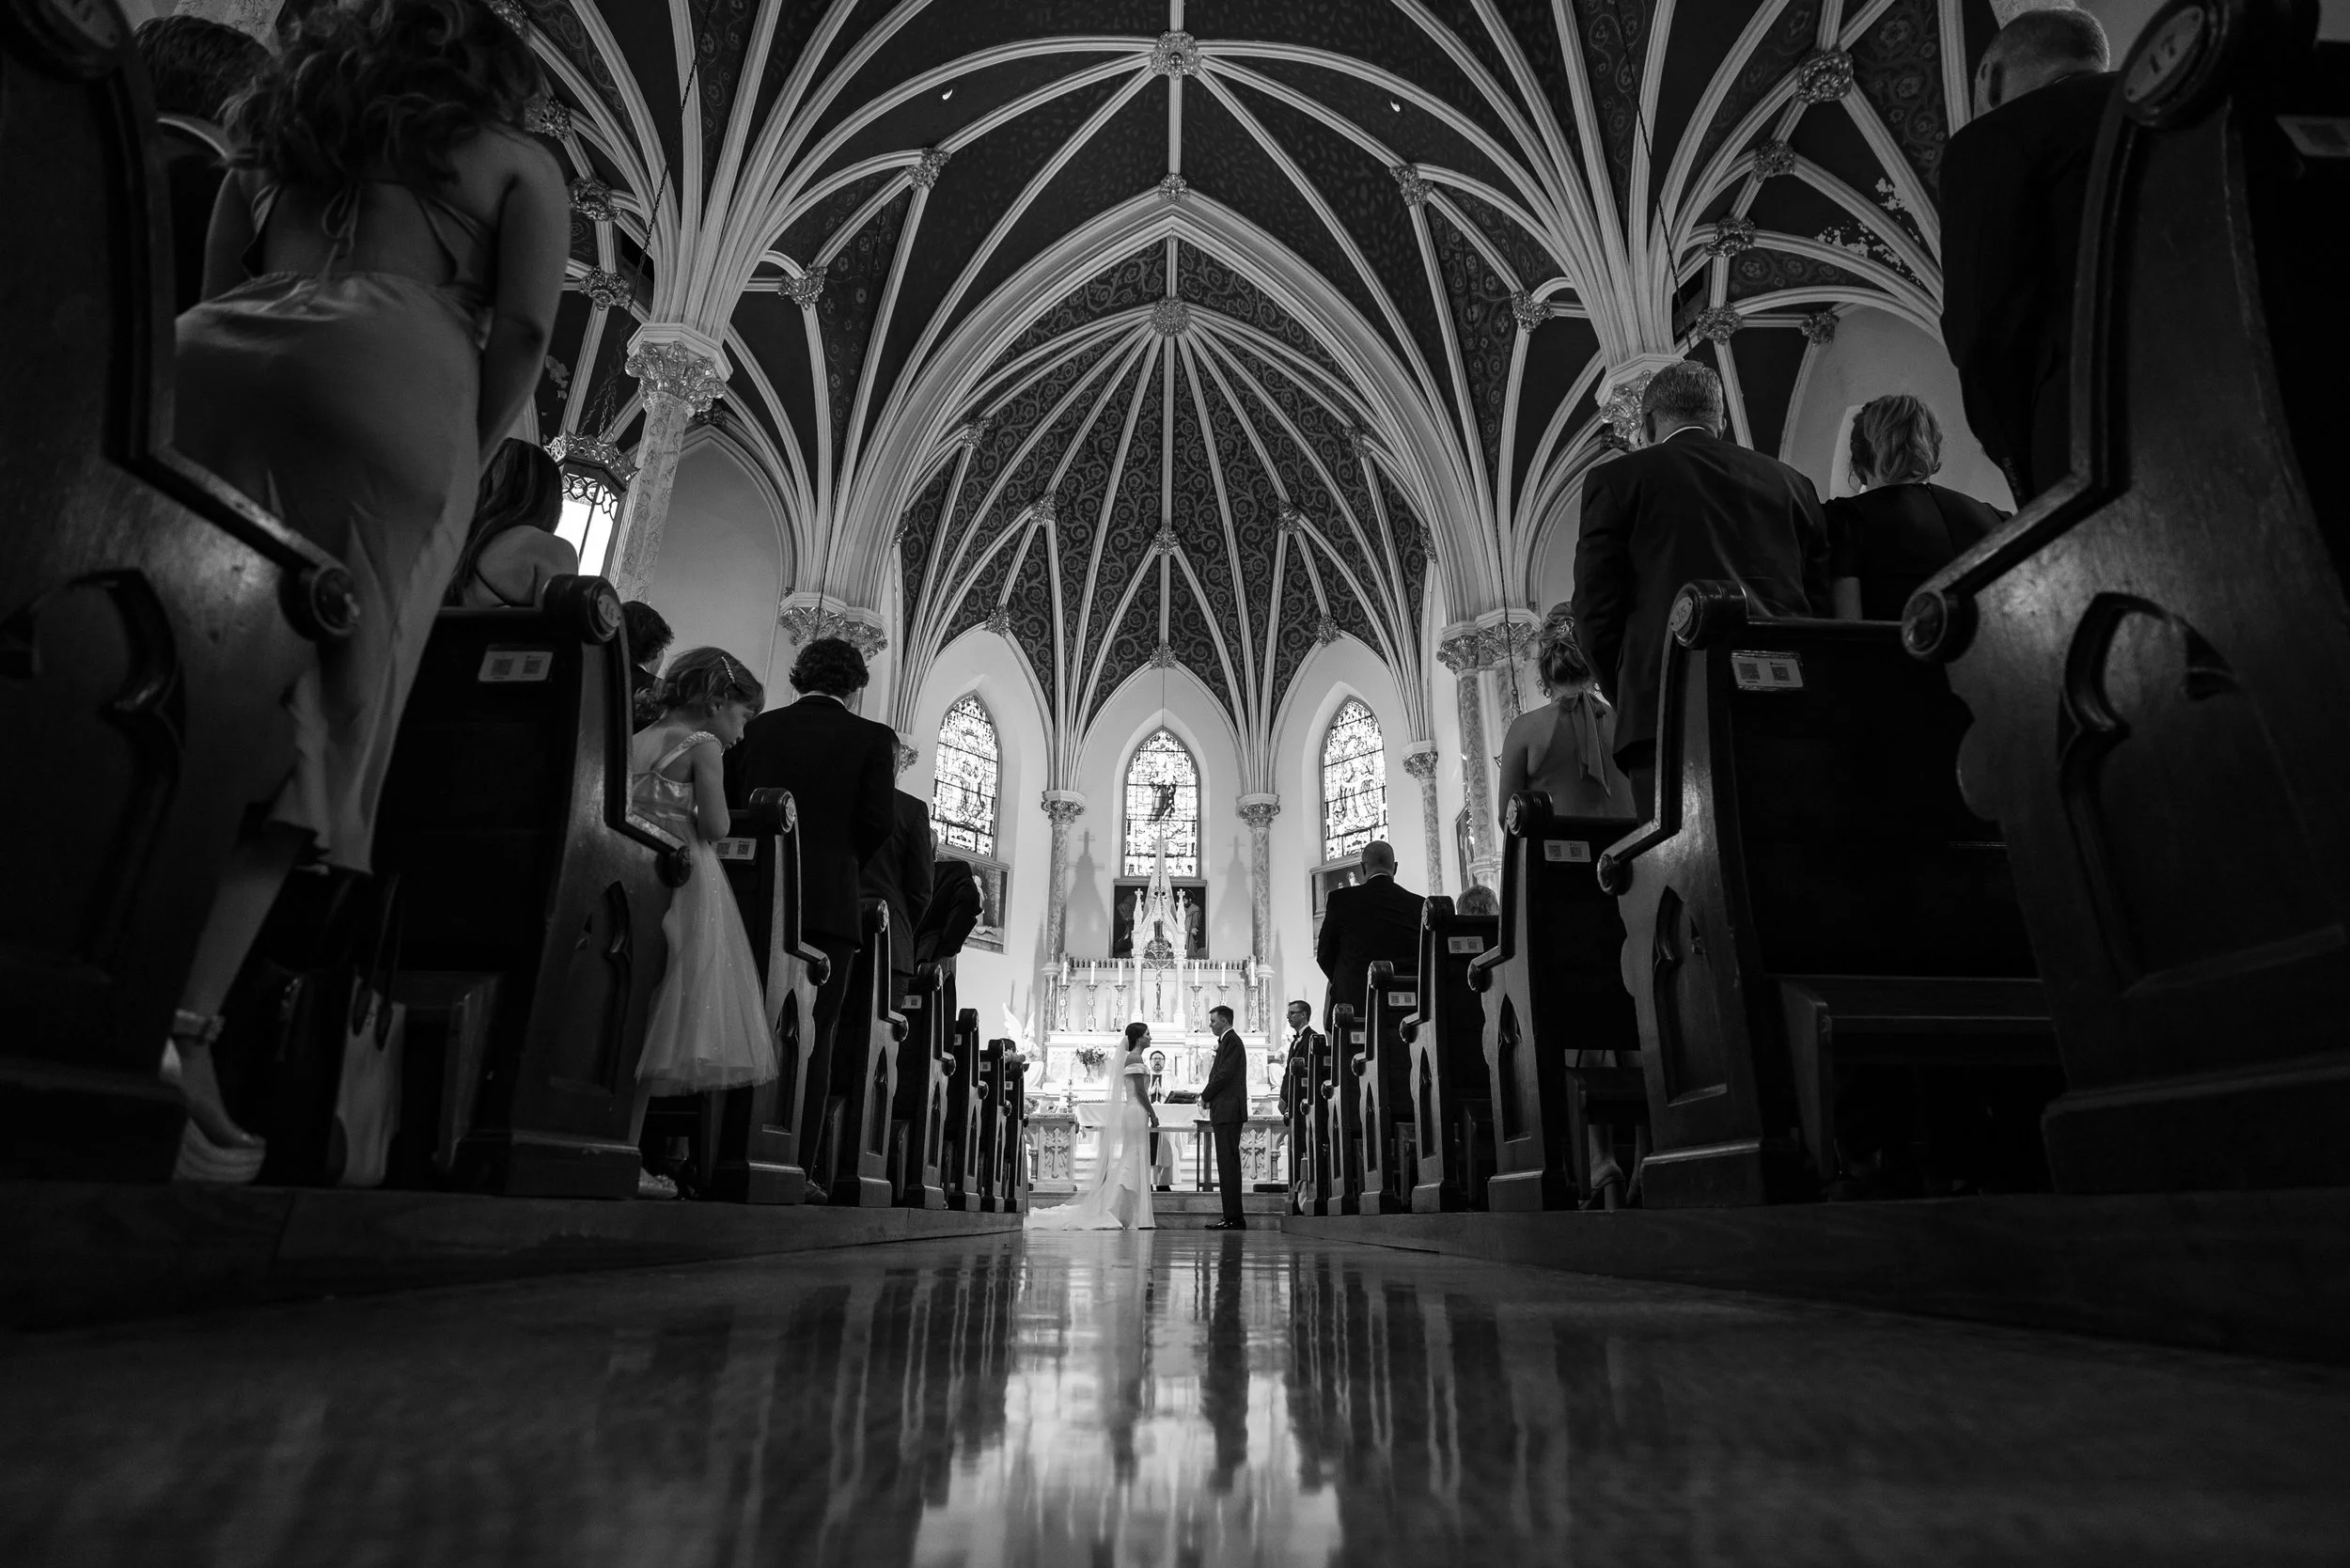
x=1193 y=1211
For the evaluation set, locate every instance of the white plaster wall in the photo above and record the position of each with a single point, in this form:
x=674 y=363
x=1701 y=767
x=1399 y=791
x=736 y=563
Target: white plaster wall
x=725 y=559
x=982 y=663
x=1875 y=354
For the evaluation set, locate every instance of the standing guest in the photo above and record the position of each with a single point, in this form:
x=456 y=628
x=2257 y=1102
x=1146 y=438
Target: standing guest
x=2014 y=185
x=193 y=67
x=1686 y=508
x=841 y=770
x=1363 y=924
x=1225 y=1096
x=1900 y=530
x=378 y=285
x=707 y=1027
x=649 y=638
x=954 y=912
x=512 y=553
x=1566 y=750
x=1304 y=1042
x=900 y=874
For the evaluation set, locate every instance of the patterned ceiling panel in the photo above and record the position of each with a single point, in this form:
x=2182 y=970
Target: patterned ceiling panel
x=1615 y=47
x=1137 y=280
x=1558 y=353
x=721 y=39
x=1788 y=38
x=1385 y=35
x=805 y=238
x=1129 y=646
x=1482 y=323
x=1898 y=64
x=1204 y=280
x=853 y=286
x=1133 y=518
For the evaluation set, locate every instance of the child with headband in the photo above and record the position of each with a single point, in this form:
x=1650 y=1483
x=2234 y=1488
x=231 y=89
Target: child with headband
x=708 y=1027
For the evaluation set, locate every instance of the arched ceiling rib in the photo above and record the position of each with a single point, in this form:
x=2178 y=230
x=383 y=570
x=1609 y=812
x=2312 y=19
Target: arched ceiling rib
x=1413 y=237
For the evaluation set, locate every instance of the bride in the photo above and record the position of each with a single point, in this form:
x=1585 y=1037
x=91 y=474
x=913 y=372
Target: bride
x=1120 y=1198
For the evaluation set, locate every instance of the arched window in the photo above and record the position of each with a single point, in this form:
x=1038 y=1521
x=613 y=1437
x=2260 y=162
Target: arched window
x=1354 y=781
x=1162 y=793
x=968 y=778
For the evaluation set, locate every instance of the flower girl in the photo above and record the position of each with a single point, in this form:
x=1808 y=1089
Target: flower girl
x=709 y=1025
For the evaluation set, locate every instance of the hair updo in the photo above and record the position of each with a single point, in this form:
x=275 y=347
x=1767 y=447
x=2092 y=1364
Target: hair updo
x=1134 y=1035
x=1559 y=652
x=1896 y=440
x=701 y=679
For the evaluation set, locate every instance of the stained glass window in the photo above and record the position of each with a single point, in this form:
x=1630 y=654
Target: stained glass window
x=1354 y=781
x=590 y=506
x=1162 y=794
x=968 y=778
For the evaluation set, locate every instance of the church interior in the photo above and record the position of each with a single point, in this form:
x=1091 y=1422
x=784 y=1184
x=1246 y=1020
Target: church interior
x=1909 y=1123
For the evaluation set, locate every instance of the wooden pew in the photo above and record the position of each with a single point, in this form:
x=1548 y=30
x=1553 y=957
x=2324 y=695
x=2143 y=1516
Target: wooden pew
x=1386 y=1115
x=1553 y=988
x=2162 y=641
x=150 y=620
x=1015 y=1141
x=1000 y=1142
x=918 y=1111
x=1306 y=1171
x=1341 y=1133
x=1452 y=1096
x=756 y=1154
x=1810 y=858
x=864 y=1074
x=959 y=1168
x=504 y=815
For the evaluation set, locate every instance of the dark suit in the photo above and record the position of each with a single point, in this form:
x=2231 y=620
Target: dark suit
x=1225 y=1096
x=1689 y=509
x=2015 y=185
x=956 y=907
x=841 y=771
x=899 y=874
x=1360 y=926
x=1897 y=535
x=1303 y=1044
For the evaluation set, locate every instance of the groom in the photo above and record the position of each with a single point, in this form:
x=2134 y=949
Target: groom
x=1225 y=1096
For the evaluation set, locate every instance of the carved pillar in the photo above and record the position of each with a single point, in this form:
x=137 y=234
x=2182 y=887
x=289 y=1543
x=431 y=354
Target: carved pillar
x=681 y=372
x=1463 y=653
x=1420 y=762
x=805 y=617
x=1257 y=811
x=1063 y=807
x=1509 y=639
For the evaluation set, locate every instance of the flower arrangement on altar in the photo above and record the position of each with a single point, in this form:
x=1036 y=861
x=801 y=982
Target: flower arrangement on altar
x=1092 y=1058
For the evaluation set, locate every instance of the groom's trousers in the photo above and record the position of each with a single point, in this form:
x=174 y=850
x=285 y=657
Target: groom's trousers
x=1226 y=1135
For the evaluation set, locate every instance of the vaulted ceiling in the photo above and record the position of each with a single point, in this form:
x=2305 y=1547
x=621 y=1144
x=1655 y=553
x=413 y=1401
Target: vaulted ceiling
x=1406 y=242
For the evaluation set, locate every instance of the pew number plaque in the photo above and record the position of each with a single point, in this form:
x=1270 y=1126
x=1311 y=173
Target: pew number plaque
x=1464 y=945
x=1404 y=998
x=503 y=666
x=738 y=849
x=1767 y=672
x=1576 y=850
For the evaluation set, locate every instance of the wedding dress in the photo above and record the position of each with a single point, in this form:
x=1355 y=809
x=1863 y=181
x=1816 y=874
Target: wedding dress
x=1120 y=1196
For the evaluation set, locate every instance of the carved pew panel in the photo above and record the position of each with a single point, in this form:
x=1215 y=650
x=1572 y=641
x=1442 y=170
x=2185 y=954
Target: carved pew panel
x=865 y=1071
x=1342 y=1125
x=2157 y=648
x=505 y=814
x=1450 y=1096
x=996 y=1131
x=1384 y=1073
x=959 y=1166
x=150 y=620
x=919 y=1109
x=756 y=1149
x=1809 y=826
x=1553 y=989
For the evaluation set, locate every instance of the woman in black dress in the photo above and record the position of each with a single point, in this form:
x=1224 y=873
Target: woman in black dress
x=1900 y=530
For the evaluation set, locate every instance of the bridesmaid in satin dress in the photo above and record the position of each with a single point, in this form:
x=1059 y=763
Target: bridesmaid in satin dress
x=380 y=283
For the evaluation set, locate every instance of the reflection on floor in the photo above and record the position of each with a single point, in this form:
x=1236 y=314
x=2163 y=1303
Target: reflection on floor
x=1174 y=1398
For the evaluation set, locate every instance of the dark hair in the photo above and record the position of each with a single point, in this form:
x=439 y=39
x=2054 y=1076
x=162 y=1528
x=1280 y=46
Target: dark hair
x=1479 y=900
x=521 y=489
x=1134 y=1034
x=1221 y=1008
x=649 y=635
x=195 y=66
x=700 y=679
x=831 y=665
x=1896 y=440
x=2061 y=35
x=1558 y=654
x=383 y=88
x=1300 y=1001
x=1684 y=390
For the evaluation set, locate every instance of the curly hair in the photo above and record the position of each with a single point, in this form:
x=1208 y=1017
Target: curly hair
x=831 y=665
x=382 y=87
x=195 y=65
x=1559 y=652
x=649 y=634
x=1896 y=440
x=700 y=679
x=521 y=489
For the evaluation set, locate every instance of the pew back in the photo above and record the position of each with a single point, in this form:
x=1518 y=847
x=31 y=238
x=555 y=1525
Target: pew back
x=960 y=1164
x=918 y=1111
x=1342 y=1125
x=1450 y=1096
x=757 y=1157
x=865 y=1071
x=1390 y=1145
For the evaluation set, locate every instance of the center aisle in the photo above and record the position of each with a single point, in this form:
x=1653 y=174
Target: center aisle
x=1148 y=1399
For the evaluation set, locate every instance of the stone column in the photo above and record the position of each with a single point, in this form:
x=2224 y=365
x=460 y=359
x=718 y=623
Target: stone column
x=1063 y=807
x=1463 y=653
x=681 y=372
x=1509 y=642
x=1420 y=762
x=1257 y=811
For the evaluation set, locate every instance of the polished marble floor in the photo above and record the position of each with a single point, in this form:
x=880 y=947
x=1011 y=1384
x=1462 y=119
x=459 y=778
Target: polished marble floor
x=1177 y=1399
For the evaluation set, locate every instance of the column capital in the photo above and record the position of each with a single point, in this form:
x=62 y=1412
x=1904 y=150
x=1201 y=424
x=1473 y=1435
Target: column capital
x=1257 y=811
x=1507 y=633
x=1461 y=649
x=673 y=360
x=1420 y=762
x=1619 y=389
x=1062 y=805
x=805 y=617
x=907 y=757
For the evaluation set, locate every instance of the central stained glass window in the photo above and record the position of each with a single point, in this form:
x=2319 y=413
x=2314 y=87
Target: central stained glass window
x=1354 y=781
x=967 y=780
x=1162 y=792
